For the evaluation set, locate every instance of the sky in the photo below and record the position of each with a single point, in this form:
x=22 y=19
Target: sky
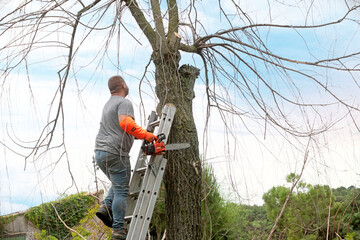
x=246 y=162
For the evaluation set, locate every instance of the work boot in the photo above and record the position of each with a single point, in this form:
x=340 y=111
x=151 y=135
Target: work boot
x=105 y=215
x=118 y=235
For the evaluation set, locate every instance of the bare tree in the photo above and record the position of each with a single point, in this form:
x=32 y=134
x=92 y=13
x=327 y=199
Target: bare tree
x=237 y=64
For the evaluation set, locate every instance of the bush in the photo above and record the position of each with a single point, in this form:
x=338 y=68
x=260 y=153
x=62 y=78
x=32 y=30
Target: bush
x=71 y=210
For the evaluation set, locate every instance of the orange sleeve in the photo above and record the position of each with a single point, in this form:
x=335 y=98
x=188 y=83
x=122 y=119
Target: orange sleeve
x=128 y=125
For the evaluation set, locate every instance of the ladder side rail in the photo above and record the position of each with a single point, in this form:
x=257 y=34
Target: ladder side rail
x=166 y=120
x=145 y=222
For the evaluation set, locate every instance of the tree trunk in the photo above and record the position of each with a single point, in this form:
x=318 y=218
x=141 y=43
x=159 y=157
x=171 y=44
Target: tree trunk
x=175 y=85
x=183 y=172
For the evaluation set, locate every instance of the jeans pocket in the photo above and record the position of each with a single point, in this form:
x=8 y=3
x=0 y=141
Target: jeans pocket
x=120 y=164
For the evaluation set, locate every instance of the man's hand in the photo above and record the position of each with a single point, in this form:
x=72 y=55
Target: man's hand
x=150 y=137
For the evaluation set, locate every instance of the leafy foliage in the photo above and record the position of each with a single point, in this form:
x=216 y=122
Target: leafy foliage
x=71 y=210
x=313 y=212
x=228 y=220
x=44 y=236
x=245 y=222
x=348 y=215
x=214 y=218
x=91 y=229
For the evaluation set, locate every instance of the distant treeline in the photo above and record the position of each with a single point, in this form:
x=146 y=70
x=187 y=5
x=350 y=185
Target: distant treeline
x=313 y=212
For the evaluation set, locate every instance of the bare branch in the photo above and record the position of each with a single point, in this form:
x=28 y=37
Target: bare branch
x=57 y=214
x=316 y=64
x=235 y=29
x=142 y=22
x=173 y=19
x=161 y=42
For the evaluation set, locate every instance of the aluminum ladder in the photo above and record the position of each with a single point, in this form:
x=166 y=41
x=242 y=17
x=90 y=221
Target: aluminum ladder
x=146 y=179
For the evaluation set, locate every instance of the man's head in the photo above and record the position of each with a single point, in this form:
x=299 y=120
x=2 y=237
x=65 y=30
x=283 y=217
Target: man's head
x=117 y=86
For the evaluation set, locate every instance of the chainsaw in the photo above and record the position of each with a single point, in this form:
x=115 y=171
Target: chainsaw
x=158 y=146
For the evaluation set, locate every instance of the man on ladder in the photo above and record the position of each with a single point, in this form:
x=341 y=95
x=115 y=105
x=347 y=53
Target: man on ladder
x=113 y=143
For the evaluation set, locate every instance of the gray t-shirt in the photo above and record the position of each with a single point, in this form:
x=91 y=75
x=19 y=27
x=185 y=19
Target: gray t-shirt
x=111 y=137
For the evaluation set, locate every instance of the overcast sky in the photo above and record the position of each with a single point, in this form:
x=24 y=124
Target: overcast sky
x=247 y=163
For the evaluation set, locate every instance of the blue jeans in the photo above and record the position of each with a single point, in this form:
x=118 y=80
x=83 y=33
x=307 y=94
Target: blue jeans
x=117 y=169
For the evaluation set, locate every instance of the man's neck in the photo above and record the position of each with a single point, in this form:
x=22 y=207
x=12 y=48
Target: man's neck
x=118 y=94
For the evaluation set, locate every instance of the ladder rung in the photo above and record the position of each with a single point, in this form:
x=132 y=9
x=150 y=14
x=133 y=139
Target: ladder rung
x=134 y=194
x=154 y=123
x=128 y=218
x=141 y=170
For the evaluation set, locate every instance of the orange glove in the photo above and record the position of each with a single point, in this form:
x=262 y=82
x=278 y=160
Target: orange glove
x=150 y=137
x=128 y=125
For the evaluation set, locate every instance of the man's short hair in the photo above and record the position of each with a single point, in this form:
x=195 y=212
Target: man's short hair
x=115 y=83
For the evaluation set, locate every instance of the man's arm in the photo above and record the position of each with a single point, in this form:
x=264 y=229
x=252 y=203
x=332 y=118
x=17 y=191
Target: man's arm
x=122 y=116
x=128 y=124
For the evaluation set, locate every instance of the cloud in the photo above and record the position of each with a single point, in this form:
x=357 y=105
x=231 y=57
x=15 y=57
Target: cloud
x=8 y=207
x=21 y=189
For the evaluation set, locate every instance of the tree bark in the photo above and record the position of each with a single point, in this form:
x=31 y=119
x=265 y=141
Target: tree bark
x=175 y=85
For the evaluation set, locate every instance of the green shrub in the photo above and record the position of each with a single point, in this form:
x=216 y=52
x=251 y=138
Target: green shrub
x=44 y=236
x=71 y=210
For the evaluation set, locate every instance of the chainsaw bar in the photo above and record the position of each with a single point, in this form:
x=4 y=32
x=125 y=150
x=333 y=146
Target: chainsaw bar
x=176 y=146
x=159 y=147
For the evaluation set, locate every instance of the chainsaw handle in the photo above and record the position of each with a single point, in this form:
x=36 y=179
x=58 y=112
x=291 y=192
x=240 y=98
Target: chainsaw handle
x=160 y=137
